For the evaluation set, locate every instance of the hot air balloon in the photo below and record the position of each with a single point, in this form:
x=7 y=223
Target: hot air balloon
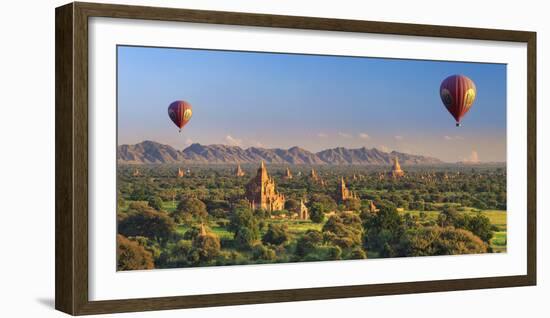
x=180 y=112
x=458 y=93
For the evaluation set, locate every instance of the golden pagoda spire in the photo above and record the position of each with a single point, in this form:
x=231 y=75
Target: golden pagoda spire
x=396 y=169
x=396 y=165
x=288 y=174
x=262 y=171
x=239 y=172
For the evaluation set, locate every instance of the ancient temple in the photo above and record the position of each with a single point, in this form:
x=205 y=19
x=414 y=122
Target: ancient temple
x=288 y=174
x=238 y=171
x=343 y=193
x=260 y=192
x=372 y=207
x=313 y=175
x=396 y=171
x=315 y=178
x=304 y=212
x=181 y=173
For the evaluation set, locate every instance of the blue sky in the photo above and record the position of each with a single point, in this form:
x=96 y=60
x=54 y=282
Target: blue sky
x=316 y=102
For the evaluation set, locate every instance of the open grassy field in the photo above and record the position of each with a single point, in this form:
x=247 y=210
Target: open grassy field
x=298 y=226
x=498 y=242
x=295 y=227
x=169 y=206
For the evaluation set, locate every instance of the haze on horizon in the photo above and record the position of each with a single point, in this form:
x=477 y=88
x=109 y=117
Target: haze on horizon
x=274 y=100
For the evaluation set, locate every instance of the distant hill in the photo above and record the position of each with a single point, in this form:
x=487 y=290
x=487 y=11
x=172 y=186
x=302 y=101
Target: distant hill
x=148 y=152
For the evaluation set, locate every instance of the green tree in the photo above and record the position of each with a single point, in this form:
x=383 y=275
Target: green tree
x=131 y=255
x=245 y=228
x=155 y=202
x=352 y=205
x=448 y=217
x=347 y=230
x=384 y=232
x=207 y=246
x=263 y=253
x=119 y=200
x=151 y=246
x=358 y=253
x=307 y=243
x=481 y=226
x=292 y=205
x=317 y=212
x=181 y=254
x=276 y=234
x=326 y=201
x=145 y=221
x=192 y=232
x=192 y=207
x=241 y=205
x=417 y=205
x=334 y=252
x=428 y=241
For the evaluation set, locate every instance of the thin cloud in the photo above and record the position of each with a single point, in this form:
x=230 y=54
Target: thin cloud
x=398 y=137
x=383 y=148
x=344 y=135
x=322 y=135
x=453 y=137
x=364 y=136
x=233 y=141
x=188 y=142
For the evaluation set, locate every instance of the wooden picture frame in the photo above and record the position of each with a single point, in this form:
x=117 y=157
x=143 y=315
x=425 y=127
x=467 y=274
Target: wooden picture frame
x=71 y=89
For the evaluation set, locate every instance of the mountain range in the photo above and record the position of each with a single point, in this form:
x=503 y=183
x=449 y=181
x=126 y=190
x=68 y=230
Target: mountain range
x=150 y=152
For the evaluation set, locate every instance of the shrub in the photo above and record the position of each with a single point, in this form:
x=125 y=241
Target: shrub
x=264 y=253
x=358 y=253
x=334 y=252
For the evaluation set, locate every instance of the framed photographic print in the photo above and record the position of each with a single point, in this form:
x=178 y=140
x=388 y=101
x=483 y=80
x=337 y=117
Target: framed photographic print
x=218 y=158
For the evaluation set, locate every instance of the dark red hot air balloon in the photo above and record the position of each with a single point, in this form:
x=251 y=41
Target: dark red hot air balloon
x=458 y=93
x=180 y=112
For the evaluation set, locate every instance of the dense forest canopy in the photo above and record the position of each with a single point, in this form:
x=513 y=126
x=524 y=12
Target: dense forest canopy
x=203 y=218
